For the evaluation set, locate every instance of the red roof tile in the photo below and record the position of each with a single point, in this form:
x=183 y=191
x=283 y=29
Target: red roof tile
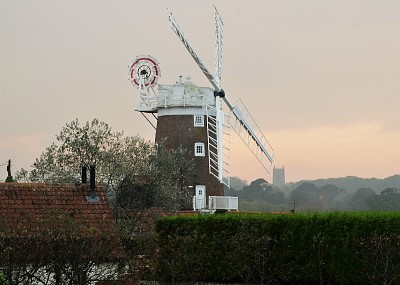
x=28 y=205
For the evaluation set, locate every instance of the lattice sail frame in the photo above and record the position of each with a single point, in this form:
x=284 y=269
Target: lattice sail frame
x=244 y=123
x=218 y=146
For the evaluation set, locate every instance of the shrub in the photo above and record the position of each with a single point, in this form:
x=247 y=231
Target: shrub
x=281 y=248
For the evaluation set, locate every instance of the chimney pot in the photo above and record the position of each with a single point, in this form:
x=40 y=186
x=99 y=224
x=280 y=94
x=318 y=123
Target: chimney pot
x=84 y=174
x=93 y=198
x=93 y=178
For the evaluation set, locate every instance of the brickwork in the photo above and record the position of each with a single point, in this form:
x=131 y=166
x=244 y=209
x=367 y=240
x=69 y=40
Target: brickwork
x=179 y=130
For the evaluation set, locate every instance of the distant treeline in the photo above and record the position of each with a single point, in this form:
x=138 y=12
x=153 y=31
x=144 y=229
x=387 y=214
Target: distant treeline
x=352 y=183
x=349 y=193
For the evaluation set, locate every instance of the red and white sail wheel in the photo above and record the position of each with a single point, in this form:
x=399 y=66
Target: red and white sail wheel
x=144 y=71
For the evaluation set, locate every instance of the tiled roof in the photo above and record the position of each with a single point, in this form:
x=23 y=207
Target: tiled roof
x=32 y=207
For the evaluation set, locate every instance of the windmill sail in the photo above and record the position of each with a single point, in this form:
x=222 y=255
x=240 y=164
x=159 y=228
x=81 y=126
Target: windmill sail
x=218 y=162
x=218 y=46
x=244 y=123
x=248 y=130
x=189 y=48
x=218 y=146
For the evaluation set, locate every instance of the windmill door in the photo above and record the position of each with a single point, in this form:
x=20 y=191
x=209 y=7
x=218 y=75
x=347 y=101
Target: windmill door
x=200 y=196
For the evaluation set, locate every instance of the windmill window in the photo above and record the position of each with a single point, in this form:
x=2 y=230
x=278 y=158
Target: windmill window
x=198 y=121
x=199 y=149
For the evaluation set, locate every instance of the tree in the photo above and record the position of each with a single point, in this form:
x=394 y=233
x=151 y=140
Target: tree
x=237 y=183
x=136 y=173
x=307 y=196
x=58 y=249
x=91 y=144
x=358 y=201
x=388 y=200
x=260 y=196
x=120 y=161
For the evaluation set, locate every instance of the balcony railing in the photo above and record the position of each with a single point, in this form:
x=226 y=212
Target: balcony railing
x=151 y=104
x=186 y=100
x=216 y=203
x=223 y=203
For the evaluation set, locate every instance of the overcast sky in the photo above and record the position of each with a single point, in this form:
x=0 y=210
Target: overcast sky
x=321 y=78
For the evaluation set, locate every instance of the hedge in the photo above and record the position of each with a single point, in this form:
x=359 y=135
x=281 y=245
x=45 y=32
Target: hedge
x=331 y=248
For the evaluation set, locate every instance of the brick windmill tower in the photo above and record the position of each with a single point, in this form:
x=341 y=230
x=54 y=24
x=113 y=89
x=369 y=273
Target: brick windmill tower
x=182 y=111
x=192 y=117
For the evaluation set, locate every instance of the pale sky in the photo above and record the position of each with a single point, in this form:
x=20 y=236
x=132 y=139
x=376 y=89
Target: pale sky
x=319 y=77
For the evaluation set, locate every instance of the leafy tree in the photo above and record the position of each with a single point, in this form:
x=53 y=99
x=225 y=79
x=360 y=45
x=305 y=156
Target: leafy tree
x=260 y=196
x=136 y=173
x=358 y=201
x=122 y=164
x=310 y=197
x=307 y=196
x=388 y=200
x=237 y=183
x=91 y=144
x=389 y=191
x=61 y=250
x=256 y=190
x=236 y=187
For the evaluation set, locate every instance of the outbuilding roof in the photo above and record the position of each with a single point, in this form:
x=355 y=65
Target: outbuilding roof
x=31 y=206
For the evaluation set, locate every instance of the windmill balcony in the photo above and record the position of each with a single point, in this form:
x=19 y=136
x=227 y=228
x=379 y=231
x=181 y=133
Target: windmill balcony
x=170 y=101
x=185 y=100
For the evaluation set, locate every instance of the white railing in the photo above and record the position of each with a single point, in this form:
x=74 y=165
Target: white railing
x=223 y=203
x=186 y=100
x=216 y=203
x=148 y=104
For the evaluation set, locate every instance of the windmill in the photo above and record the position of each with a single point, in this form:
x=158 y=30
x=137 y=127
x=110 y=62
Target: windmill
x=243 y=123
x=192 y=117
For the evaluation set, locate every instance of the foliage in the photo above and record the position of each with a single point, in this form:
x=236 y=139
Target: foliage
x=331 y=248
x=59 y=249
x=125 y=165
x=307 y=196
x=352 y=183
x=359 y=200
x=312 y=198
x=260 y=196
x=237 y=184
x=137 y=174
x=93 y=143
x=388 y=200
x=2 y=279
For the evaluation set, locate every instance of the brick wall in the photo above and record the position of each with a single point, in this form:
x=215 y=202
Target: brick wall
x=179 y=130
